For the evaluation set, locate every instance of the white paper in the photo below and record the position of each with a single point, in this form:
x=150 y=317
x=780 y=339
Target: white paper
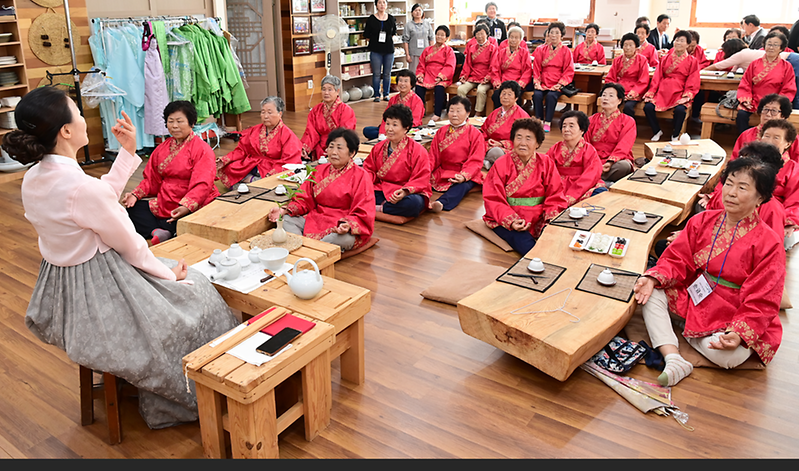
x=250 y=278
x=245 y=351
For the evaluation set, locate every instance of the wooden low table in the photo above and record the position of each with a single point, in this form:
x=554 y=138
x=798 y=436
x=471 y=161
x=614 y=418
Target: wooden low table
x=550 y=341
x=341 y=304
x=247 y=392
x=681 y=195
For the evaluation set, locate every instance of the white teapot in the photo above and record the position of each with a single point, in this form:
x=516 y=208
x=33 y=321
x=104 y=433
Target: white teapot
x=305 y=284
x=227 y=269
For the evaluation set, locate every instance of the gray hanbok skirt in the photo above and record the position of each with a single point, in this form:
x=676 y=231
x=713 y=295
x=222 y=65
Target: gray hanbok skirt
x=109 y=316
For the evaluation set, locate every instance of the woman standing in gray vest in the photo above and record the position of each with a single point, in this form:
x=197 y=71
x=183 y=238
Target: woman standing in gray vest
x=418 y=34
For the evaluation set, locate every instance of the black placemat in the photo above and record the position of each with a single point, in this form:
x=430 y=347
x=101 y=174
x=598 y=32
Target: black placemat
x=583 y=224
x=270 y=195
x=547 y=278
x=233 y=196
x=681 y=176
x=621 y=291
x=676 y=153
x=698 y=157
x=641 y=176
x=624 y=219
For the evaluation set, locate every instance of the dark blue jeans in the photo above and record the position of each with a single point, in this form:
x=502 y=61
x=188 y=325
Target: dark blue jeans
x=521 y=242
x=551 y=98
x=440 y=97
x=629 y=108
x=408 y=207
x=381 y=69
x=742 y=120
x=453 y=196
x=371 y=132
x=679 y=117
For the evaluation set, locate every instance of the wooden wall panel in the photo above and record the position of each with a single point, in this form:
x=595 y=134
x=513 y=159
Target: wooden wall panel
x=299 y=69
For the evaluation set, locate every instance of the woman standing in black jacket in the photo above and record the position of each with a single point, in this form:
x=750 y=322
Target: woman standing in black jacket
x=380 y=30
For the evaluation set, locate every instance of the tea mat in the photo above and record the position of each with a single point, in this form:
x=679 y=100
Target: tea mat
x=264 y=241
x=624 y=219
x=681 y=176
x=621 y=291
x=270 y=195
x=641 y=176
x=233 y=196
x=584 y=224
x=547 y=278
x=676 y=153
x=716 y=159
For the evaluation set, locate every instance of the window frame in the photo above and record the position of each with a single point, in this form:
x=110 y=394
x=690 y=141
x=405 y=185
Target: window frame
x=700 y=24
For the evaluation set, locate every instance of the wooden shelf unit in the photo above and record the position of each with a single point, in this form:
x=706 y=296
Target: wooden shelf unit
x=13 y=47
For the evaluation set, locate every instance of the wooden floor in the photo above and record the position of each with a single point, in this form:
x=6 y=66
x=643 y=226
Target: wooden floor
x=430 y=390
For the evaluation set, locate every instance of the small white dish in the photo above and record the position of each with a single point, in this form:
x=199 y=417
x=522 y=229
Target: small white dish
x=431 y=123
x=639 y=217
x=706 y=157
x=731 y=75
x=693 y=173
x=417 y=137
x=606 y=278
x=358 y=161
x=280 y=190
x=667 y=149
x=536 y=265
x=242 y=188
x=577 y=213
x=651 y=171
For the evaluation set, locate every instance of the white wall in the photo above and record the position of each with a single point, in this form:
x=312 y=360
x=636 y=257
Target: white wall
x=709 y=38
x=618 y=14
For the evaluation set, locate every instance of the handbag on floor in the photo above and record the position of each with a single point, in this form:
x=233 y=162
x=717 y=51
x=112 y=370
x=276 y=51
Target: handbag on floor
x=620 y=355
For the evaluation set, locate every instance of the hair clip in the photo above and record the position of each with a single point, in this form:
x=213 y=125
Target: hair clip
x=28 y=125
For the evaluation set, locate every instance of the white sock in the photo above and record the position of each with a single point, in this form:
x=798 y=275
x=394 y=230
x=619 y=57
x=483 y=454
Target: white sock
x=677 y=369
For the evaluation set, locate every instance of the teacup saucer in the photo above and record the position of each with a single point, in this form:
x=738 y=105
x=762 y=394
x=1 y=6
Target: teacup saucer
x=536 y=271
x=639 y=221
x=606 y=284
x=576 y=217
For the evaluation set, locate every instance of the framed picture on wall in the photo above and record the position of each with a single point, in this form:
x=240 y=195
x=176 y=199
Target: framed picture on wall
x=302 y=25
x=302 y=46
x=318 y=47
x=317 y=6
x=299 y=6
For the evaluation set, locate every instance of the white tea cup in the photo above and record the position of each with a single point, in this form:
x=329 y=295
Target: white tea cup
x=323 y=160
x=651 y=171
x=381 y=137
x=667 y=148
x=693 y=173
x=235 y=251
x=280 y=190
x=639 y=216
x=606 y=277
x=576 y=213
x=242 y=188
x=536 y=265
x=706 y=157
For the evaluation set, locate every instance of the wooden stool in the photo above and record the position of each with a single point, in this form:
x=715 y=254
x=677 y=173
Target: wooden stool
x=668 y=114
x=108 y=391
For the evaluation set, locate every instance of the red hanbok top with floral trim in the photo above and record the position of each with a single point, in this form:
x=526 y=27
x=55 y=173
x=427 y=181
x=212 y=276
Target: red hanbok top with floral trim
x=497 y=125
x=676 y=77
x=632 y=74
x=257 y=148
x=532 y=192
x=412 y=101
x=612 y=137
x=747 y=298
x=786 y=190
x=179 y=175
x=580 y=169
x=763 y=78
x=516 y=66
x=407 y=168
x=321 y=120
x=436 y=61
x=456 y=151
x=552 y=66
x=344 y=195
x=753 y=134
x=650 y=52
x=587 y=55
x=701 y=58
x=477 y=66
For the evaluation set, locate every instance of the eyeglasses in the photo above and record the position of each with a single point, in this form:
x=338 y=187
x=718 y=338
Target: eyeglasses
x=773 y=45
x=771 y=111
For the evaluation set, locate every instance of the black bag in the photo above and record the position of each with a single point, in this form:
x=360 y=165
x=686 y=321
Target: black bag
x=570 y=90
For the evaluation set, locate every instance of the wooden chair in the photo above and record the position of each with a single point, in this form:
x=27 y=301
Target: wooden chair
x=109 y=392
x=585 y=100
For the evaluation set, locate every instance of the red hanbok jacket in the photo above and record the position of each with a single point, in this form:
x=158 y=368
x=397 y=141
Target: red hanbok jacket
x=747 y=298
x=632 y=74
x=531 y=192
x=612 y=137
x=179 y=175
x=516 y=66
x=498 y=127
x=344 y=195
x=436 y=62
x=580 y=170
x=256 y=148
x=762 y=78
x=477 y=66
x=321 y=120
x=771 y=212
x=585 y=55
x=650 y=52
x=412 y=101
x=407 y=168
x=787 y=190
x=456 y=151
x=701 y=58
x=552 y=66
x=675 y=78
x=753 y=134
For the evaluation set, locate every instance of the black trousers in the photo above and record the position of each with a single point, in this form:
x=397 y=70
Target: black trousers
x=146 y=222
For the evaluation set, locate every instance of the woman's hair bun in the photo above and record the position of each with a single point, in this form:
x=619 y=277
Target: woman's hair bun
x=40 y=115
x=23 y=147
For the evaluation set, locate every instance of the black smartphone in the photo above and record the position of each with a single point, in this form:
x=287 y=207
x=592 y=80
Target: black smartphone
x=280 y=340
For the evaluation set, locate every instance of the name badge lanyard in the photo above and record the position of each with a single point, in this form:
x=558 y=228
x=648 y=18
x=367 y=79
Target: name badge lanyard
x=707 y=263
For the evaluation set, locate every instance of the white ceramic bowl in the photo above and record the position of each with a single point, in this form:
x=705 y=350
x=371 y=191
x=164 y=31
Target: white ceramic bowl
x=536 y=265
x=606 y=277
x=242 y=188
x=274 y=257
x=651 y=171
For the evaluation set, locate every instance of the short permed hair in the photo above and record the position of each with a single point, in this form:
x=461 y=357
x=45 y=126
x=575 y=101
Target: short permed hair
x=630 y=37
x=401 y=113
x=533 y=125
x=786 y=107
x=409 y=74
x=683 y=34
x=460 y=100
x=582 y=119
x=510 y=85
x=353 y=143
x=184 y=107
x=593 y=26
x=557 y=24
x=784 y=124
x=616 y=86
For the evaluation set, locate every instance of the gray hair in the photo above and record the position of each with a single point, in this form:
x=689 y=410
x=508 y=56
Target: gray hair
x=489 y=4
x=280 y=105
x=332 y=80
x=516 y=29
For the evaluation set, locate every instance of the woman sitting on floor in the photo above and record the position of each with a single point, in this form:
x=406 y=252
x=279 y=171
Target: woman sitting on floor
x=497 y=126
x=337 y=206
x=399 y=167
x=630 y=70
x=101 y=295
x=456 y=155
x=613 y=134
x=179 y=175
x=674 y=86
x=435 y=70
x=646 y=49
x=553 y=69
x=590 y=51
x=477 y=68
x=262 y=149
x=770 y=107
x=523 y=190
x=771 y=74
x=512 y=63
x=406 y=82
x=332 y=113
x=734 y=267
x=577 y=162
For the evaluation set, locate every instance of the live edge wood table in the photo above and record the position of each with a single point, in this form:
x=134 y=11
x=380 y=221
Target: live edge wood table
x=341 y=304
x=550 y=341
x=239 y=397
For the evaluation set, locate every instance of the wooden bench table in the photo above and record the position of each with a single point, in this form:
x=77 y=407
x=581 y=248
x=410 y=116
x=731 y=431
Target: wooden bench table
x=550 y=341
x=681 y=195
x=709 y=118
x=239 y=397
x=341 y=304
